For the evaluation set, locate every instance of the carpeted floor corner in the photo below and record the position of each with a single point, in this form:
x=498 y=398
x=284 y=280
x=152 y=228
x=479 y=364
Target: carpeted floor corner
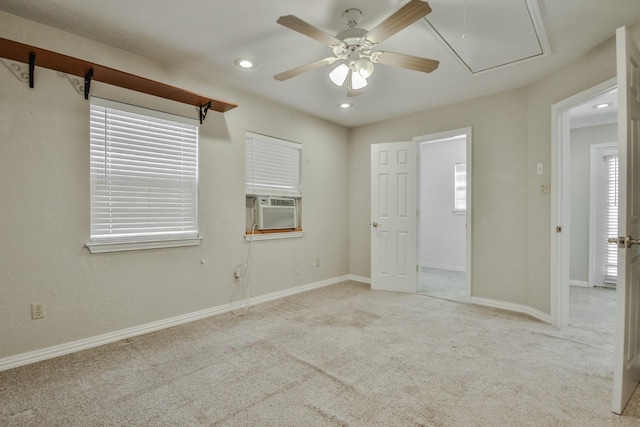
x=337 y=356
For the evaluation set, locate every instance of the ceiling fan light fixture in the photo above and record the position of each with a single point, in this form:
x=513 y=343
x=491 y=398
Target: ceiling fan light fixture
x=339 y=74
x=338 y=50
x=364 y=67
x=357 y=81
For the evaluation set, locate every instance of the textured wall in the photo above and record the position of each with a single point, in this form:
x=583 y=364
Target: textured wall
x=442 y=232
x=511 y=219
x=44 y=214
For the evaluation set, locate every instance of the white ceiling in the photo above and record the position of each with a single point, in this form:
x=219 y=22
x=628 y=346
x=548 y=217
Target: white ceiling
x=207 y=37
x=586 y=114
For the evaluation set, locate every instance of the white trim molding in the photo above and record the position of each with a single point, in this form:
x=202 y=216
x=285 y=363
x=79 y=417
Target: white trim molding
x=580 y=283
x=273 y=236
x=360 y=279
x=444 y=266
x=560 y=179
x=96 y=341
x=516 y=308
x=103 y=247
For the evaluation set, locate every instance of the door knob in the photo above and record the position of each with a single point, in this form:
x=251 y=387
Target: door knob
x=623 y=242
x=375 y=224
x=629 y=241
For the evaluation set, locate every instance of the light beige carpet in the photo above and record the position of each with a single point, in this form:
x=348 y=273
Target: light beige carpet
x=338 y=356
x=441 y=283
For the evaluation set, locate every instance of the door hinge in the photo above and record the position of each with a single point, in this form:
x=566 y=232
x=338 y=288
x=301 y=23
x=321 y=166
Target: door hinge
x=417 y=268
x=559 y=229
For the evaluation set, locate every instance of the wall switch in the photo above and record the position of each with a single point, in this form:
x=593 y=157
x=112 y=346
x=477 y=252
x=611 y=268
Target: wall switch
x=37 y=310
x=544 y=188
x=539 y=168
x=317 y=262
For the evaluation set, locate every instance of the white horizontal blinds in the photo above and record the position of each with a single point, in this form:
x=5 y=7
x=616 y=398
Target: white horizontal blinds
x=611 y=258
x=144 y=174
x=460 y=186
x=272 y=166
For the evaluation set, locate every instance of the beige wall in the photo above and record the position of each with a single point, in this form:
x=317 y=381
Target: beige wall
x=44 y=214
x=499 y=155
x=44 y=219
x=511 y=219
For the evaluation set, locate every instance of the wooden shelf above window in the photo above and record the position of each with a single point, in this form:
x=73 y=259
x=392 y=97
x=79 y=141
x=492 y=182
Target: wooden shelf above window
x=20 y=52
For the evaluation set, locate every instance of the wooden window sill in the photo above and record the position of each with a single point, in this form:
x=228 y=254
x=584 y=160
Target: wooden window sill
x=273 y=234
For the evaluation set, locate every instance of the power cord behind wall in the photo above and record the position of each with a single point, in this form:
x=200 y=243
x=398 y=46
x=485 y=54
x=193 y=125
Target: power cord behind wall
x=243 y=277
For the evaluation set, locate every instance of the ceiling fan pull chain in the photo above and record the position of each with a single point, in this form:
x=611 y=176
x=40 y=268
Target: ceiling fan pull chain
x=464 y=19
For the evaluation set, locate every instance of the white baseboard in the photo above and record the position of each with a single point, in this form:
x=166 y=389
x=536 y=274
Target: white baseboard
x=443 y=267
x=96 y=341
x=517 y=308
x=579 y=283
x=360 y=279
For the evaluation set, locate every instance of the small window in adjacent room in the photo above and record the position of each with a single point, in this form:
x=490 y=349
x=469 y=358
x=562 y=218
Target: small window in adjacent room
x=611 y=215
x=273 y=185
x=144 y=178
x=460 y=188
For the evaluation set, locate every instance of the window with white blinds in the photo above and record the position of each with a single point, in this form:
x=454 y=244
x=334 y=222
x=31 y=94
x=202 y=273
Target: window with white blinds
x=144 y=174
x=460 y=187
x=611 y=258
x=272 y=166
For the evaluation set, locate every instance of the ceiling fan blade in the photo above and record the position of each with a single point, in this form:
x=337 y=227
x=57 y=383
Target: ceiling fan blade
x=405 y=61
x=296 y=24
x=403 y=17
x=304 y=68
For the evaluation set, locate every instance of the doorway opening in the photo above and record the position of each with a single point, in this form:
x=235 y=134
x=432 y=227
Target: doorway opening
x=444 y=206
x=584 y=207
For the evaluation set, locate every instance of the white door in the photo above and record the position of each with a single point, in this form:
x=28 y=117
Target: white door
x=394 y=191
x=626 y=372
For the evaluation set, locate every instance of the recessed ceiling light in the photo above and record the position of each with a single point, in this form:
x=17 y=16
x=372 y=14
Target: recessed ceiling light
x=245 y=63
x=345 y=105
x=599 y=106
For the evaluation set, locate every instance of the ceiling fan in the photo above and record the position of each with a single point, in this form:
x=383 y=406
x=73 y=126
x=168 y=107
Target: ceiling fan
x=354 y=47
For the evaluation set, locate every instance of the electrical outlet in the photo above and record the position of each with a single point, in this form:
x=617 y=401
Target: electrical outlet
x=544 y=188
x=238 y=273
x=37 y=310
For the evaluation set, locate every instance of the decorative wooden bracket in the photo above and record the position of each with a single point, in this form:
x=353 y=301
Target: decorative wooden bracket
x=89 y=71
x=87 y=83
x=203 y=111
x=32 y=65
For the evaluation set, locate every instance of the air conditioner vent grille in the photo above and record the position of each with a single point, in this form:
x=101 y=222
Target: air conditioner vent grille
x=282 y=202
x=276 y=213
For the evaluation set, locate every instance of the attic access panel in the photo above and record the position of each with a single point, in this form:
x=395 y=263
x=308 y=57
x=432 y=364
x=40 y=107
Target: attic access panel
x=487 y=34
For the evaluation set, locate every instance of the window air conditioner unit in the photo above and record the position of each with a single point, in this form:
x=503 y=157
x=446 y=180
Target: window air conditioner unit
x=276 y=213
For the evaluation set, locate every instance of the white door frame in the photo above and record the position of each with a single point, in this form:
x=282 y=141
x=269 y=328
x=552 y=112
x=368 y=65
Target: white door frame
x=438 y=137
x=560 y=203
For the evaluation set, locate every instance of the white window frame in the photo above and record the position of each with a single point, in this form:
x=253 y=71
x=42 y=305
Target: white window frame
x=140 y=156
x=265 y=155
x=460 y=188
x=272 y=166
